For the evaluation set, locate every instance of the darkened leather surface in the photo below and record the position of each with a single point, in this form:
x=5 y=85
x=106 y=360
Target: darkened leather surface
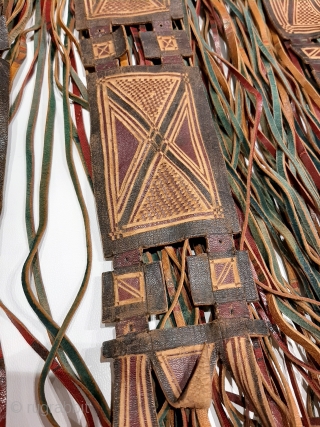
x=4 y=111
x=4 y=41
x=126 y=12
x=165 y=339
x=201 y=281
x=148 y=297
x=3 y=391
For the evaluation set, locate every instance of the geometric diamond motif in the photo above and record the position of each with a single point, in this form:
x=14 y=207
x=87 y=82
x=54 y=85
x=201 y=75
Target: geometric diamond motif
x=224 y=274
x=167 y=43
x=150 y=94
x=129 y=288
x=103 y=50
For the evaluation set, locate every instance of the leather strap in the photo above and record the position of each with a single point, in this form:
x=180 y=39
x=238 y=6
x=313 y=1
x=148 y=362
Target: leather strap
x=4 y=113
x=4 y=100
x=3 y=390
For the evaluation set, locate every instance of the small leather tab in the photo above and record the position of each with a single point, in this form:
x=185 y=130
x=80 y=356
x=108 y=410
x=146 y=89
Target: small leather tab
x=155 y=288
x=221 y=279
x=132 y=326
x=200 y=280
x=99 y=31
x=133 y=291
x=231 y=310
x=220 y=243
x=126 y=259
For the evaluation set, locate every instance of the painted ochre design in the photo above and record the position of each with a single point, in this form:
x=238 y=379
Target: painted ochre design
x=115 y=8
x=311 y=52
x=151 y=135
x=178 y=365
x=224 y=274
x=182 y=367
x=134 y=407
x=167 y=43
x=103 y=50
x=297 y=16
x=129 y=288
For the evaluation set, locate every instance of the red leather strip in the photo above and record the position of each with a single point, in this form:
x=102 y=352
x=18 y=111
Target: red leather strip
x=224 y=420
x=66 y=379
x=142 y=28
x=85 y=147
x=3 y=391
x=305 y=417
x=138 y=46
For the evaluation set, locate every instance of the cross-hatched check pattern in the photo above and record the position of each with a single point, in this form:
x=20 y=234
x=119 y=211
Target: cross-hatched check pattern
x=169 y=195
x=109 y=8
x=150 y=95
x=296 y=16
x=154 y=138
x=306 y=13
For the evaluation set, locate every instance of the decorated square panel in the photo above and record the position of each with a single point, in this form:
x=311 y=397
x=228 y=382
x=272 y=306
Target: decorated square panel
x=224 y=274
x=129 y=288
x=158 y=165
x=133 y=291
x=215 y=280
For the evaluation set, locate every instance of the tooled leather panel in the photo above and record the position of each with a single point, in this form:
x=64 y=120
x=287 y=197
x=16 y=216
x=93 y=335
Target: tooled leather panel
x=4 y=109
x=166 y=339
x=299 y=22
x=167 y=180
x=93 y=13
x=295 y=17
x=133 y=397
x=177 y=369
